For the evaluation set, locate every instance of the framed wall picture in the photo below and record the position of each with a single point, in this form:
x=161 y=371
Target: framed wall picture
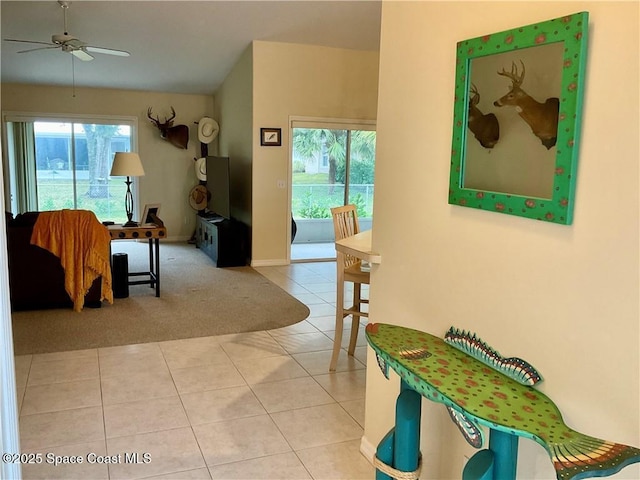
x=517 y=117
x=270 y=137
x=150 y=214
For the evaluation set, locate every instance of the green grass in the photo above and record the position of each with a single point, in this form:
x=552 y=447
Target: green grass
x=307 y=201
x=58 y=194
x=307 y=178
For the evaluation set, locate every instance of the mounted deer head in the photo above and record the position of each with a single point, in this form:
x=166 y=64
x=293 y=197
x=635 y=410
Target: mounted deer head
x=177 y=136
x=541 y=117
x=485 y=128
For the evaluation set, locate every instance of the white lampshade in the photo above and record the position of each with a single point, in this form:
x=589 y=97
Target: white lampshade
x=126 y=164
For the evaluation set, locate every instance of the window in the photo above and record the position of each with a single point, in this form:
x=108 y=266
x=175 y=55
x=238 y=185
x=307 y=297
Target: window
x=65 y=163
x=333 y=164
x=331 y=167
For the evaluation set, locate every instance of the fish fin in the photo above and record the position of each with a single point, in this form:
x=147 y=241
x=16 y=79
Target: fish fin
x=582 y=456
x=384 y=366
x=515 y=368
x=469 y=429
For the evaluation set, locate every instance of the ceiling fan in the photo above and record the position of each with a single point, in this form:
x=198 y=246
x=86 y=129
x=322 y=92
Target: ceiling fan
x=69 y=43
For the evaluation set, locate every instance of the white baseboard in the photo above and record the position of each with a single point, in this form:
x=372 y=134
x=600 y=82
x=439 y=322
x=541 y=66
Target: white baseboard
x=269 y=263
x=367 y=449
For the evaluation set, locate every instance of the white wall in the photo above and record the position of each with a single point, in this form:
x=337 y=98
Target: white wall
x=298 y=80
x=9 y=428
x=169 y=172
x=565 y=298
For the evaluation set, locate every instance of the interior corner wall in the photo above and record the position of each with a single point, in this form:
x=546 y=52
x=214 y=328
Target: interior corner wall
x=565 y=298
x=234 y=111
x=169 y=172
x=298 y=80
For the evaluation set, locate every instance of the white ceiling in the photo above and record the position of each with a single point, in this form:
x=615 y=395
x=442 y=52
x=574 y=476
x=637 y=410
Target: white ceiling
x=175 y=46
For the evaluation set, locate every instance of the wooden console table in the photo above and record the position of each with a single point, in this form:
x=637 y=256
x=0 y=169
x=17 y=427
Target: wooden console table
x=153 y=234
x=480 y=389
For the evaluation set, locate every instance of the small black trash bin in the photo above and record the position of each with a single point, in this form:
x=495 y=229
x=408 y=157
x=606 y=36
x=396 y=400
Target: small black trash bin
x=120 y=275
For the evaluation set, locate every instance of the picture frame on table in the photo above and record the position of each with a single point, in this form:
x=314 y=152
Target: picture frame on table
x=517 y=118
x=150 y=215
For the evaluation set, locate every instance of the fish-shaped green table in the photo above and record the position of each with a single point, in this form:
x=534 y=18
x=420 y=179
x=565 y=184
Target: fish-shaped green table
x=480 y=388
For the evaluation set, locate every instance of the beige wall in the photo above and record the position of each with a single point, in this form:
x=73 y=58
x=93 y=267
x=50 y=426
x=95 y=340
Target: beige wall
x=234 y=108
x=169 y=172
x=298 y=80
x=565 y=298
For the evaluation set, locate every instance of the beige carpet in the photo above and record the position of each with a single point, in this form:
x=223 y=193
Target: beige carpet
x=196 y=300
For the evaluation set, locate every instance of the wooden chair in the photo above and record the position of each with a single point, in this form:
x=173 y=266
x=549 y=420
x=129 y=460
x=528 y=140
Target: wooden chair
x=345 y=224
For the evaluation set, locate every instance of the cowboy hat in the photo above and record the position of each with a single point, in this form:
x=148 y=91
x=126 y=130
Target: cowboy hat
x=198 y=197
x=201 y=169
x=208 y=129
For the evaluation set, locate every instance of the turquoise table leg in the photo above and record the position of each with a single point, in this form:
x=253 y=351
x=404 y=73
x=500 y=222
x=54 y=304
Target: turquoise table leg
x=479 y=467
x=407 y=434
x=385 y=453
x=400 y=448
x=505 y=451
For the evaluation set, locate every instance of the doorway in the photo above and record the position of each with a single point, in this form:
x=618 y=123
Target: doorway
x=332 y=164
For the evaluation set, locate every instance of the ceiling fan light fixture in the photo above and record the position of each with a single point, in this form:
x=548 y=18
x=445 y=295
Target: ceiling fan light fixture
x=68 y=43
x=61 y=39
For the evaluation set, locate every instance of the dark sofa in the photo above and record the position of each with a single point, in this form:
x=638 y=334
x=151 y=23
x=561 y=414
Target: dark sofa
x=36 y=277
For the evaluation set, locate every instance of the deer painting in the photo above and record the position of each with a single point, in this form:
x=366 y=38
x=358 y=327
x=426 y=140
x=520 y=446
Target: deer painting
x=541 y=117
x=176 y=135
x=485 y=127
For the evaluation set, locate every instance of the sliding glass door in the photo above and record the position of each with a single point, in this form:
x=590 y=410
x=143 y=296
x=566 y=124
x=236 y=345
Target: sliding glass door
x=61 y=164
x=332 y=165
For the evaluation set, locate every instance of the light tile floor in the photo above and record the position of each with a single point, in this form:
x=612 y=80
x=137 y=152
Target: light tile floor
x=258 y=405
x=301 y=252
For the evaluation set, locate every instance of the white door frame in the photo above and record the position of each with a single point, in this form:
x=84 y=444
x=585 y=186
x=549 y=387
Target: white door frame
x=9 y=432
x=315 y=122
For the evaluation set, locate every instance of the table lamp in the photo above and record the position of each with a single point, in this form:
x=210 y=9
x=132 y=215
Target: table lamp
x=127 y=164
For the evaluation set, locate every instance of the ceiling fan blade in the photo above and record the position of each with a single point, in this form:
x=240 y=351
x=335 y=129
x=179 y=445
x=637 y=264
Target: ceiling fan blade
x=82 y=55
x=26 y=41
x=36 y=49
x=107 y=51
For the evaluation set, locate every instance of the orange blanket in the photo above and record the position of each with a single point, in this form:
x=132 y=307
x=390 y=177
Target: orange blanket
x=82 y=244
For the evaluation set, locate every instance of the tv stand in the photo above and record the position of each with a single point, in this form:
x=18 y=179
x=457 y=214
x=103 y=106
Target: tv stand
x=224 y=240
x=210 y=216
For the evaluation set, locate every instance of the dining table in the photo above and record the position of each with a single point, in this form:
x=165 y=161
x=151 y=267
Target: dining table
x=359 y=245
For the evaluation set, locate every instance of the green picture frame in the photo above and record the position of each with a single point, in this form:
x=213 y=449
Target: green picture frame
x=512 y=88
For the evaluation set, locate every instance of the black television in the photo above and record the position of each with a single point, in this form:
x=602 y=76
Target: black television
x=218 y=186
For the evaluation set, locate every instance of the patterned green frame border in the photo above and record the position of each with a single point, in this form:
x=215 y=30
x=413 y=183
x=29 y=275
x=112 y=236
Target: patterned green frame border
x=570 y=29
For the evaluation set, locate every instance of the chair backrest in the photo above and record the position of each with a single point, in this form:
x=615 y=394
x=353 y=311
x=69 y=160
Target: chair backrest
x=345 y=221
x=345 y=224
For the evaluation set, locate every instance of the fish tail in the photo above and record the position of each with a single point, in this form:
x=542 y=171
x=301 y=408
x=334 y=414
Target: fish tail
x=582 y=456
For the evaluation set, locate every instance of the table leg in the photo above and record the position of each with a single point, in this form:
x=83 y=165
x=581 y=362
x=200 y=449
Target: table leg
x=157 y=269
x=151 y=272
x=479 y=467
x=505 y=454
x=399 y=450
x=407 y=434
x=385 y=453
x=498 y=462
